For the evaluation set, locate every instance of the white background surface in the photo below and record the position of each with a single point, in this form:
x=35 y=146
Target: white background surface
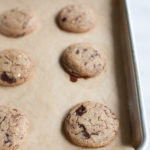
x=140 y=14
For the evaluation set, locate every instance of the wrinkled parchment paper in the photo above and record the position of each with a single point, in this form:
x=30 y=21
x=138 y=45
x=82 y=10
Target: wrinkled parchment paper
x=48 y=96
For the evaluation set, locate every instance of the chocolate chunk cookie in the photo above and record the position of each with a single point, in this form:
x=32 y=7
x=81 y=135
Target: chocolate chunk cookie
x=91 y=124
x=17 y=22
x=13 y=126
x=77 y=18
x=82 y=60
x=16 y=67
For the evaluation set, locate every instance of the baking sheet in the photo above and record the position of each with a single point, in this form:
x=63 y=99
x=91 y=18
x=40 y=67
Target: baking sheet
x=48 y=96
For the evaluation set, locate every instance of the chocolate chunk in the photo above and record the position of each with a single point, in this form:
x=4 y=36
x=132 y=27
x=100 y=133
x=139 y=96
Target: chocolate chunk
x=84 y=132
x=77 y=51
x=64 y=19
x=25 y=23
x=97 y=54
x=15 y=110
x=17 y=116
x=85 y=63
x=86 y=135
x=81 y=110
x=73 y=78
x=85 y=50
x=95 y=133
x=3 y=120
x=13 y=10
x=5 y=23
x=4 y=17
x=92 y=56
x=8 y=141
x=6 y=78
x=7 y=135
x=77 y=19
x=5 y=142
x=6 y=62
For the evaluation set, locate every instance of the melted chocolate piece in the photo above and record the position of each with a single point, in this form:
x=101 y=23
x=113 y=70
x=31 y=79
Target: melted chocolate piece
x=81 y=110
x=85 y=63
x=10 y=144
x=3 y=120
x=92 y=56
x=8 y=140
x=85 y=78
x=87 y=136
x=4 y=17
x=5 y=62
x=84 y=132
x=17 y=115
x=77 y=51
x=95 y=133
x=6 y=78
x=5 y=142
x=12 y=10
x=64 y=19
x=85 y=50
x=97 y=54
x=15 y=110
x=73 y=78
x=77 y=18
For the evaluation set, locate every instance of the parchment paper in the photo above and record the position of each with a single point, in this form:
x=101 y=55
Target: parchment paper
x=48 y=96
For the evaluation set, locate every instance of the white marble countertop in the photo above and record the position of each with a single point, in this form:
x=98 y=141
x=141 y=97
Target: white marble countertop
x=140 y=14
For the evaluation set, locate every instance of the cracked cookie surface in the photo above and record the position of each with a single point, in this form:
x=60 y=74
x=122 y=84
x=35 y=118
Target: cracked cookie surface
x=77 y=18
x=17 y=22
x=91 y=124
x=13 y=128
x=82 y=60
x=16 y=67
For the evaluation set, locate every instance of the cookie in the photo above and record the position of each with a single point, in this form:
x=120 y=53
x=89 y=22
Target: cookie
x=17 y=22
x=91 y=124
x=82 y=60
x=77 y=18
x=16 y=67
x=13 y=126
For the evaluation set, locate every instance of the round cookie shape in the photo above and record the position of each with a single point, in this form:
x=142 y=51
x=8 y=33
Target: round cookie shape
x=17 y=22
x=82 y=60
x=91 y=124
x=16 y=67
x=77 y=18
x=14 y=126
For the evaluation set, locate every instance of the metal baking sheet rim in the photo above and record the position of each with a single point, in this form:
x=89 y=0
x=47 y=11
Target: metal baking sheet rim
x=144 y=143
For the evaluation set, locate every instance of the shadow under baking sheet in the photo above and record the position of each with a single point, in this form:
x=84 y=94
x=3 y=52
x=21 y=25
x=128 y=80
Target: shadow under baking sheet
x=121 y=82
